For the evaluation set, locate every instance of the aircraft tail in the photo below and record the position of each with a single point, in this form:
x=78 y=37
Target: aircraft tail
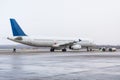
x=16 y=30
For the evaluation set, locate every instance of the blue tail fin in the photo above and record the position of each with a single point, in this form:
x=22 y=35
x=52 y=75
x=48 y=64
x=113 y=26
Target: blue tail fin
x=17 y=31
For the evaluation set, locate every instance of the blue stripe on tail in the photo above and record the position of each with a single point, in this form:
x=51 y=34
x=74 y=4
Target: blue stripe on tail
x=17 y=31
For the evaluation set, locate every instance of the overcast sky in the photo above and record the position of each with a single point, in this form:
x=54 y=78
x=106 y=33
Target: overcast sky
x=98 y=20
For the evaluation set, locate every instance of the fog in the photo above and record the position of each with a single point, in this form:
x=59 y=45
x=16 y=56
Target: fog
x=98 y=20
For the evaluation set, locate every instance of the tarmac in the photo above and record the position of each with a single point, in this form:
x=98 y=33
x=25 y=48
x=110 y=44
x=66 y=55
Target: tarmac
x=71 y=65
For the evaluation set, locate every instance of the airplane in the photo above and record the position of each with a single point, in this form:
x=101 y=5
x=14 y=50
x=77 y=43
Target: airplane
x=56 y=43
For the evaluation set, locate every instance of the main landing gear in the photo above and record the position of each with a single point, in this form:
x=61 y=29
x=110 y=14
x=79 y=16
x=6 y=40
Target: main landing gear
x=64 y=50
x=52 y=50
x=88 y=49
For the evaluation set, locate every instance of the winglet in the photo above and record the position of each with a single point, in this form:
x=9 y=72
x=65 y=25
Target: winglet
x=16 y=30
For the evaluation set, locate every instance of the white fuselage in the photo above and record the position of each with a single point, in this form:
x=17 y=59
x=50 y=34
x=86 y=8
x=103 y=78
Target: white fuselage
x=48 y=41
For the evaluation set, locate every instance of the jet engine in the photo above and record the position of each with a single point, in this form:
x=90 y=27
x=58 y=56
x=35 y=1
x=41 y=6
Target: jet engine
x=75 y=47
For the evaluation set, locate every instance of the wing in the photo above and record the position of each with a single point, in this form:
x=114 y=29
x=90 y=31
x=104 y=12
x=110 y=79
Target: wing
x=64 y=44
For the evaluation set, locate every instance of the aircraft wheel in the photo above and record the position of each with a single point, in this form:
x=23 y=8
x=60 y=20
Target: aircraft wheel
x=90 y=49
x=64 y=50
x=52 y=50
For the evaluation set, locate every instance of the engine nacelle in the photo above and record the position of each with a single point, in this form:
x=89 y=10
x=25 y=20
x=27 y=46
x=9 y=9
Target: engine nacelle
x=75 y=47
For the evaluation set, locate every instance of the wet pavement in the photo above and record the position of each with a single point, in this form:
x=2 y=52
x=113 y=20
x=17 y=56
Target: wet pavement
x=60 y=66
